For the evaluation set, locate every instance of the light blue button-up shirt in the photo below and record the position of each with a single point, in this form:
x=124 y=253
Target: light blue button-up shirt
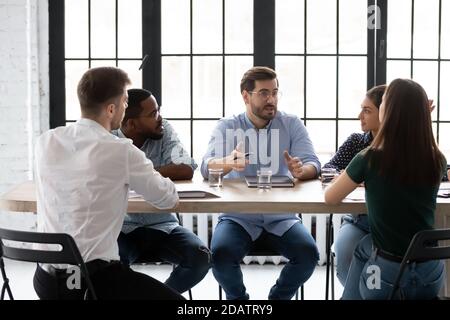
x=266 y=147
x=161 y=152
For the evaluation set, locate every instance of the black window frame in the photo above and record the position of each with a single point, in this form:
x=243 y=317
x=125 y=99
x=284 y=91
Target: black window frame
x=264 y=54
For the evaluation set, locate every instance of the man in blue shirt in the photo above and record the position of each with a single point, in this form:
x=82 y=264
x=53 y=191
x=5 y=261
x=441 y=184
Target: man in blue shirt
x=160 y=235
x=277 y=140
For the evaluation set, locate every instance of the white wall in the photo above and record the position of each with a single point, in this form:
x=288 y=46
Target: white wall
x=24 y=93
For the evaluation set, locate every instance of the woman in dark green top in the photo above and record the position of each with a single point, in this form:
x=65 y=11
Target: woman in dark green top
x=401 y=170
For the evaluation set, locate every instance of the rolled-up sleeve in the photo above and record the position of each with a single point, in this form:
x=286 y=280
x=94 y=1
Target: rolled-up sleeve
x=301 y=145
x=216 y=147
x=173 y=150
x=142 y=178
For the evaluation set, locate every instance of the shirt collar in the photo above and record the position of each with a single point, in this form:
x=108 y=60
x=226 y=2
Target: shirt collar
x=120 y=133
x=368 y=137
x=251 y=125
x=92 y=124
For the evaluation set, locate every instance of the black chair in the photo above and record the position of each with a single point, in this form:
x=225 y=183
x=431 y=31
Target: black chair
x=259 y=249
x=330 y=259
x=424 y=246
x=69 y=254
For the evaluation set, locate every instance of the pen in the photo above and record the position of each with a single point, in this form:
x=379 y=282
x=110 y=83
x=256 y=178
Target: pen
x=245 y=155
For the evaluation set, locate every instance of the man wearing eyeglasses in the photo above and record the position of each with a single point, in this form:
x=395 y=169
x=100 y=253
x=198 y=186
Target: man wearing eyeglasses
x=160 y=235
x=271 y=138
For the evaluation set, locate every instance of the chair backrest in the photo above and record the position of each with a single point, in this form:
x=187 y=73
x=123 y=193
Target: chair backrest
x=424 y=246
x=69 y=254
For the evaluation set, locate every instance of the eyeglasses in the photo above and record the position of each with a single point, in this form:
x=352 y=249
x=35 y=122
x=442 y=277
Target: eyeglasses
x=266 y=94
x=154 y=114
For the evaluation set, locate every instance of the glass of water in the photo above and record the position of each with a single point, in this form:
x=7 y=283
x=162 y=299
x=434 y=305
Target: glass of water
x=264 y=179
x=328 y=174
x=215 y=177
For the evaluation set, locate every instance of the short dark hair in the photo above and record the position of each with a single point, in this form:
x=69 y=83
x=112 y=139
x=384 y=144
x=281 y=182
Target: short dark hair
x=99 y=86
x=134 y=109
x=256 y=73
x=376 y=94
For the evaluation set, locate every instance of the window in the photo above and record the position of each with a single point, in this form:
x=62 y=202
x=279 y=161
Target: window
x=100 y=33
x=321 y=58
x=418 y=47
x=202 y=61
x=325 y=55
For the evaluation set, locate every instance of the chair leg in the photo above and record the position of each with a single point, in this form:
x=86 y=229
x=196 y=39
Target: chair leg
x=220 y=292
x=332 y=255
x=332 y=276
x=302 y=292
x=5 y=287
x=328 y=252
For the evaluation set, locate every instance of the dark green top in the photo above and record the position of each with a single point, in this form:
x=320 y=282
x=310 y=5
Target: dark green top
x=396 y=212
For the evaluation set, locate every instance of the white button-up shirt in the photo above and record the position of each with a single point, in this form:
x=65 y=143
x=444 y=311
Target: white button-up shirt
x=83 y=174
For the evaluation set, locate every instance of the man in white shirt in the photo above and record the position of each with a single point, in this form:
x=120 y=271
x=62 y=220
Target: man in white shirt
x=83 y=174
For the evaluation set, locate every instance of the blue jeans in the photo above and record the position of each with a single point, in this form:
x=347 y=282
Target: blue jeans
x=419 y=281
x=354 y=228
x=181 y=247
x=231 y=243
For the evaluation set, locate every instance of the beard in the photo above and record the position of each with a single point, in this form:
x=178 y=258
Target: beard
x=156 y=134
x=262 y=112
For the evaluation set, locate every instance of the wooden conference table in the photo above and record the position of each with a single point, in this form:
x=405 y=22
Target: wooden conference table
x=235 y=196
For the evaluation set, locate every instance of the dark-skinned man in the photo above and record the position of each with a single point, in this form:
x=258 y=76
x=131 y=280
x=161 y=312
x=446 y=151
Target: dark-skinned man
x=160 y=235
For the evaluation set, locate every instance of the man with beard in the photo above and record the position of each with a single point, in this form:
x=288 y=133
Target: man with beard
x=272 y=138
x=160 y=235
x=82 y=176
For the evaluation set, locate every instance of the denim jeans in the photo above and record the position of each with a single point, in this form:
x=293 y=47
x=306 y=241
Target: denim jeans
x=419 y=281
x=231 y=243
x=181 y=247
x=354 y=228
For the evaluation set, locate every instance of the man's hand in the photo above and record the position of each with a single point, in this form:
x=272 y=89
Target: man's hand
x=235 y=161
x=294 y=164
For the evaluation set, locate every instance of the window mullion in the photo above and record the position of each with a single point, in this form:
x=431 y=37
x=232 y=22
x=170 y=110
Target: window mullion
x=57 y=64
x=151 y=46
x=381 y=44
x=264 y=33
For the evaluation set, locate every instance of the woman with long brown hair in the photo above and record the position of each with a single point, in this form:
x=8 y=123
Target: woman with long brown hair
x=401 y=171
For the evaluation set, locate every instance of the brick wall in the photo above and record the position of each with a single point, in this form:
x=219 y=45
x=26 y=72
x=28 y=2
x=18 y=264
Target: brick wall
x=23 y=93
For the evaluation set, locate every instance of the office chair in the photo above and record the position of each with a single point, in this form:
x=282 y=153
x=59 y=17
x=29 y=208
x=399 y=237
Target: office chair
x=259 y=249
x=424 y=246
x=69 y=254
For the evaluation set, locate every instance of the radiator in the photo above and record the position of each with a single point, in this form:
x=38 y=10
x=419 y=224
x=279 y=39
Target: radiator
x=204 y=224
